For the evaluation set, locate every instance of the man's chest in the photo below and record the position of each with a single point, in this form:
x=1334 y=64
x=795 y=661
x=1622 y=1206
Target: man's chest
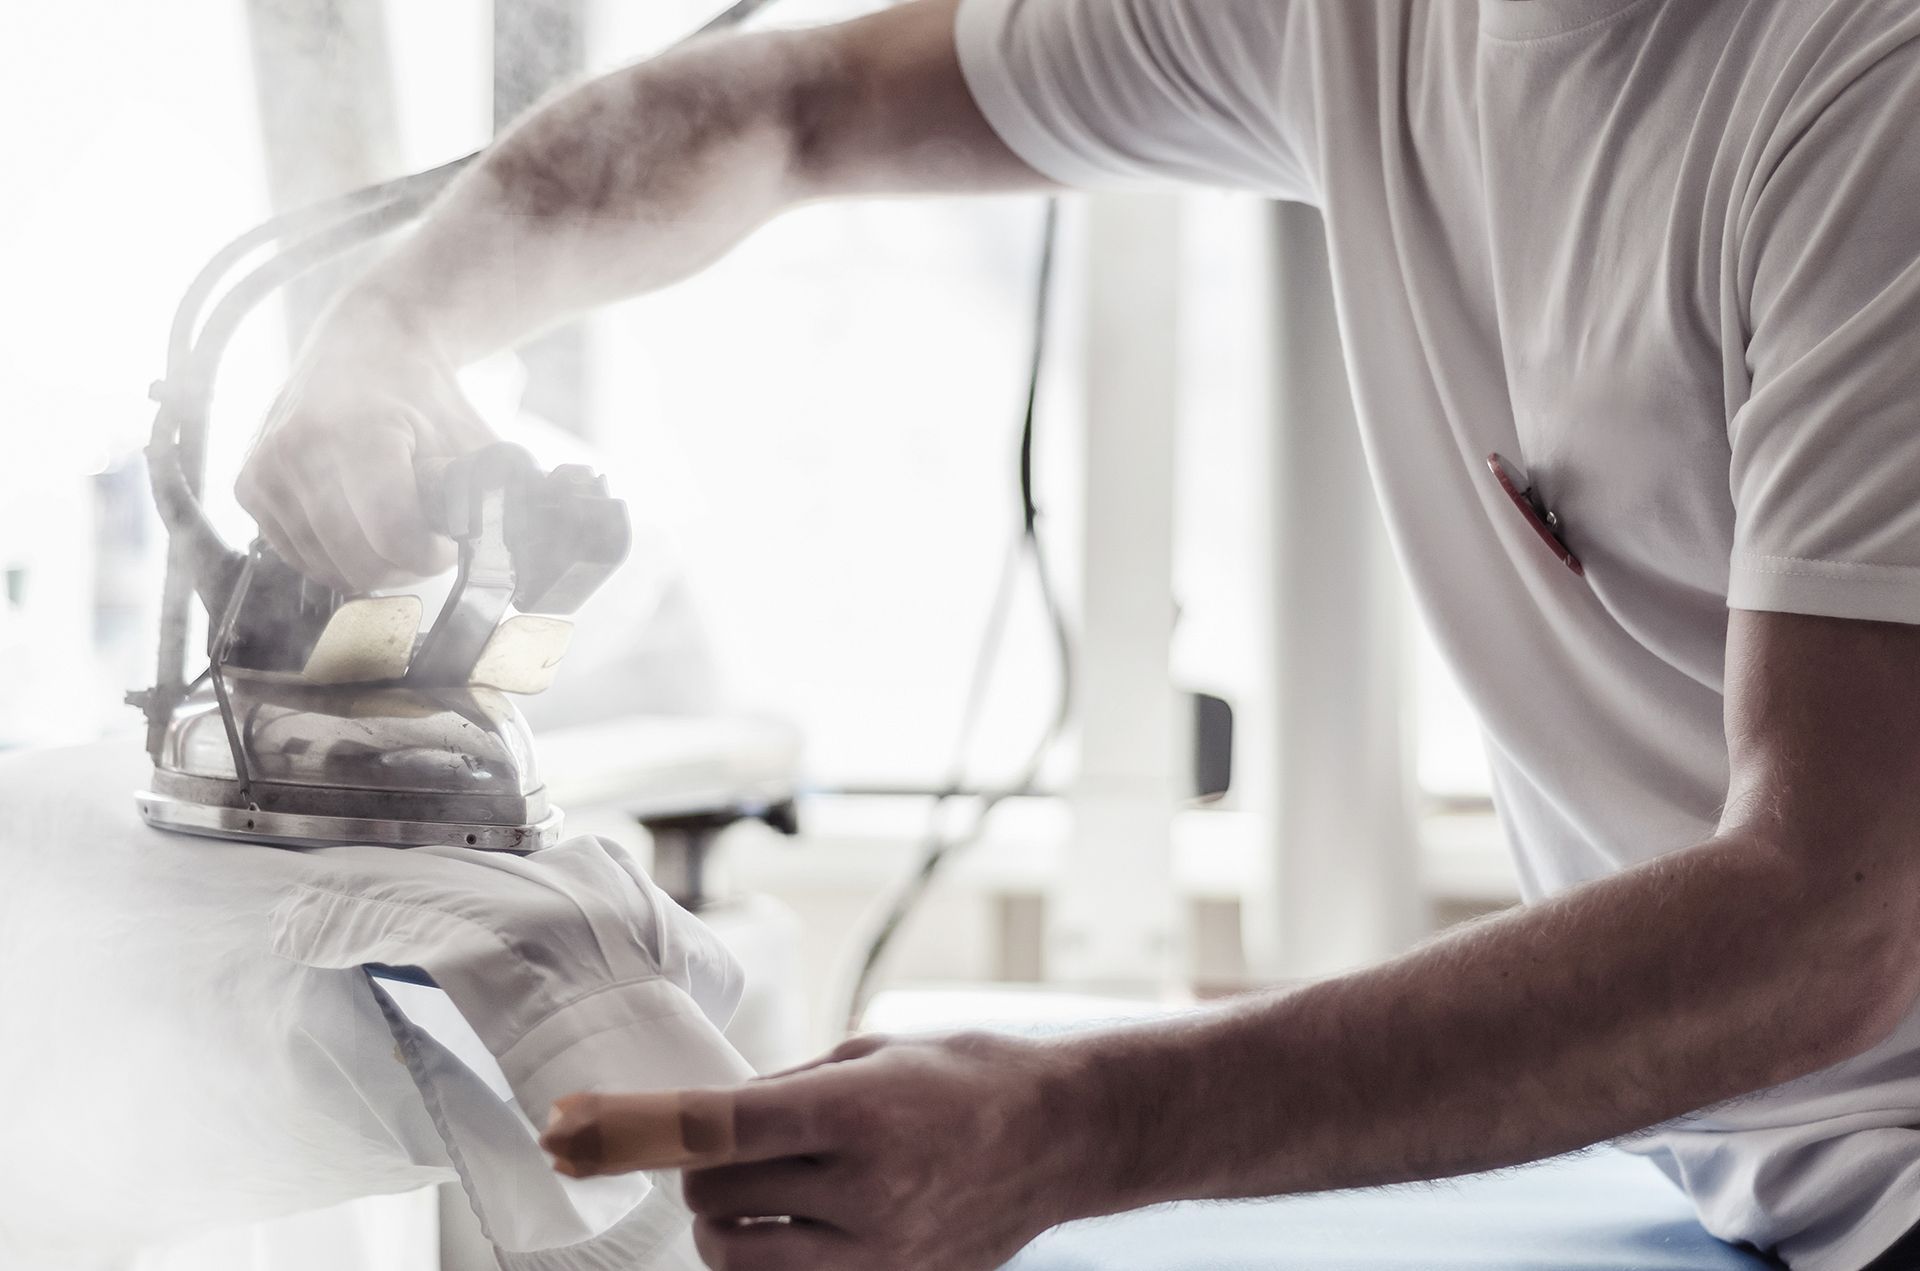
x=1601 y=292
x=1558 y=288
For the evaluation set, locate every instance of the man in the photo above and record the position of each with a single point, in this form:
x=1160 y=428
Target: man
x=1662 y=256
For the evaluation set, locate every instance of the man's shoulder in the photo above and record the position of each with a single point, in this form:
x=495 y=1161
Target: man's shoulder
x=1821 y=48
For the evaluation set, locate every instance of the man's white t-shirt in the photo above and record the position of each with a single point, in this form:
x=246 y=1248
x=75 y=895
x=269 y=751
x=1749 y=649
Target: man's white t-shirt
x=1665 y=256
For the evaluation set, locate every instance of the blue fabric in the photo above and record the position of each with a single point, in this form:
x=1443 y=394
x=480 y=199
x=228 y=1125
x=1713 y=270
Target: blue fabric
x=1605 y=1210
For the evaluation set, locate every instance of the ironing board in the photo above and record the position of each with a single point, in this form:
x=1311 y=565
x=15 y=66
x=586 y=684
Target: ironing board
x=1606 y=1210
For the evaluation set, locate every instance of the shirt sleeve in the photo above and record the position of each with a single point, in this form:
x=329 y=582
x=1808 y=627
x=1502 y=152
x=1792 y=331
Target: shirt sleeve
x=1144 y=93
x=1825 y=470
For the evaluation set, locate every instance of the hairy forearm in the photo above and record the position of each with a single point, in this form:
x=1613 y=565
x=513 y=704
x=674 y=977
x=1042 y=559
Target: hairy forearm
x=643 y=177
x=1699 y=977
x=623 y=185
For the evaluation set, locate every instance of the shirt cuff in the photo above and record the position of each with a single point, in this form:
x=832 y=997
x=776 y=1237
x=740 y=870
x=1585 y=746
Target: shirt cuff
x=640 y=1036
x=1831 y=589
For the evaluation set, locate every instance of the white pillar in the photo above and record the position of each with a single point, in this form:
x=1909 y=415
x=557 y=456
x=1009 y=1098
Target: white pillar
x=1112 y=919
x=1346 y=880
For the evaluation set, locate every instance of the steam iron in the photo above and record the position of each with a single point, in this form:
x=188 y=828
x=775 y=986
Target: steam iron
x=327 y=719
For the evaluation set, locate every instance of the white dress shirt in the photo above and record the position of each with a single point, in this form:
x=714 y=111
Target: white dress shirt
x=191 y=1040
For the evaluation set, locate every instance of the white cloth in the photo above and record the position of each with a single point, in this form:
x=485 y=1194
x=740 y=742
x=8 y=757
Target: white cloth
x=190 y=1040
x=1664 y=255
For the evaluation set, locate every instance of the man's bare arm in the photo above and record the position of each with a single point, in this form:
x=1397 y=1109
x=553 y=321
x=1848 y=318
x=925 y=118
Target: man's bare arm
x=626 y=184
x=643 y=177
x=1781 y=946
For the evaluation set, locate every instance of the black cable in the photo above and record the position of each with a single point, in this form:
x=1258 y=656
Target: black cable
x=937 y=848
x=1050 y=232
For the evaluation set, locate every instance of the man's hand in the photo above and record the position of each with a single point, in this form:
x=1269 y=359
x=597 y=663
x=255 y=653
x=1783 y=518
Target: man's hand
x=331 y=479
x=938 y=1155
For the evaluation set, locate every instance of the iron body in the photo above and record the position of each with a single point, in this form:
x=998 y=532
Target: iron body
x=388 y=765
x=326 y=719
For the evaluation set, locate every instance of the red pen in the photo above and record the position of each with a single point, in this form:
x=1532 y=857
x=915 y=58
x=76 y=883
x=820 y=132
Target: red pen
x=1544 y=522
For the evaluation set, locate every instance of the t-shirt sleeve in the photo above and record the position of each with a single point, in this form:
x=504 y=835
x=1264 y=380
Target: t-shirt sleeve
x=1826 y=446
x=1143 y=93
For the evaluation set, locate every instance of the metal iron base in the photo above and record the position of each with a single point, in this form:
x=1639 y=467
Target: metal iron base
x=287 y=829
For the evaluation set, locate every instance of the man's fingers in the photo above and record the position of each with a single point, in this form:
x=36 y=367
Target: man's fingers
x=698 y=1129
x=297 y=506
x=283 y=521
x=388 y=512
x=276 y=534
x=796 y=1187
x=619 y=1133
x=356 y=565
x=272 y=512
x=340 y=502
x=770 y=1246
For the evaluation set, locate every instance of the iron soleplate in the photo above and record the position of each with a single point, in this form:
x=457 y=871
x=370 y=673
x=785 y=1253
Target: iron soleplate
x=286 y=829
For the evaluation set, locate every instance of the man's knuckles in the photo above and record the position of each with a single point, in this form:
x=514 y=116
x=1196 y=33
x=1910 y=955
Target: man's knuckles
x=864 y=1121
x=861 y=1047
x=900 y=1191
